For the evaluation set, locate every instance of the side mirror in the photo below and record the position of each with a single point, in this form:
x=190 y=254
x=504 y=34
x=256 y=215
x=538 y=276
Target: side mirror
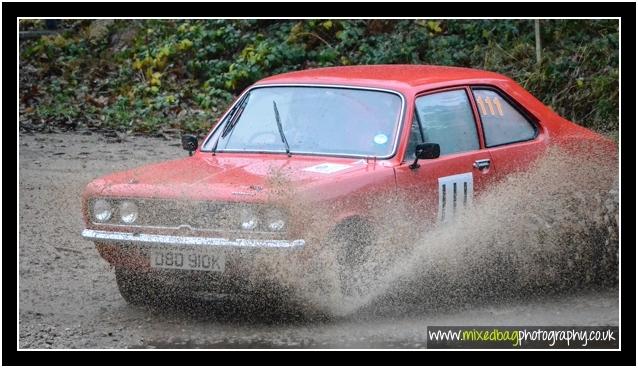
x=189 y=143
x=425 y=151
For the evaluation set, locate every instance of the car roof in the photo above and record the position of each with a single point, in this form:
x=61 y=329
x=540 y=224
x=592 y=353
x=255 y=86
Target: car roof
x=384 y=76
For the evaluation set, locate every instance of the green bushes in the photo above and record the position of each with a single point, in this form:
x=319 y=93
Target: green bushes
x=151 y=75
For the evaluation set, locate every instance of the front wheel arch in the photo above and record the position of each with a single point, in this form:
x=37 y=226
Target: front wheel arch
x=356 y=229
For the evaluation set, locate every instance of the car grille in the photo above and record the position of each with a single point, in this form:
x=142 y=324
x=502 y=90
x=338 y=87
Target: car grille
x=197 y=215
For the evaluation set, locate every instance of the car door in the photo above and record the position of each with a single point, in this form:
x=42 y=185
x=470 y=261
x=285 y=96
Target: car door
x=441 y=188
x=511 y=134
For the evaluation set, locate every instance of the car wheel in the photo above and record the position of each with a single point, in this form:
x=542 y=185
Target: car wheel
x=136 y=288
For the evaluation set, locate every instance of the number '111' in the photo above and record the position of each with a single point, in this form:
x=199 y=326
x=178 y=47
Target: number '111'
x=491 y=103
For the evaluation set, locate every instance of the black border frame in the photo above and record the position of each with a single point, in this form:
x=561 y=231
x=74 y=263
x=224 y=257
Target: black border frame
x=625 y=11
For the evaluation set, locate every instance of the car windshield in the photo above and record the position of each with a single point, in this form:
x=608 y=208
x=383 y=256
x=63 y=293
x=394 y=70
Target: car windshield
x=316 y=120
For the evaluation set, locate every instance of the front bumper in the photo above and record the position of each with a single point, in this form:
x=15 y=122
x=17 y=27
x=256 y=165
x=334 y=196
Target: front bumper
x=129 y=250
x=150 y=239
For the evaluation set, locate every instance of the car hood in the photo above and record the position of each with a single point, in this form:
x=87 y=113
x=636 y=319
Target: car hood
x=241 y=177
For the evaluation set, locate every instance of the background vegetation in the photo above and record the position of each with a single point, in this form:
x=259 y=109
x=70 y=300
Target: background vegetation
x=163 y=77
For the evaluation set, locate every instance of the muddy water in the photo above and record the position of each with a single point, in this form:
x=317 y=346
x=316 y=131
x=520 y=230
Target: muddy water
x=545 y=227
x=549 y=229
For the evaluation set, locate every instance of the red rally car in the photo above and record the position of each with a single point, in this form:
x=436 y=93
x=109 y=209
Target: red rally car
x=344 y=137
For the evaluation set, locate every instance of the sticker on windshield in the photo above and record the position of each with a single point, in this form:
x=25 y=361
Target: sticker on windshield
x=380 y=139
x=327 y=168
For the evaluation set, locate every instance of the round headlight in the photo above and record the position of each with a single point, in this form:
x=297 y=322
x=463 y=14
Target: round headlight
x=276 y=219
x=249 y=225
x=276 y=225
x=249 y=220
x=128 y=212
x=102 y=210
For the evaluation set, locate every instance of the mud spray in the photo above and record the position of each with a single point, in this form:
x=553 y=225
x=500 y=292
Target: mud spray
x=552 y=228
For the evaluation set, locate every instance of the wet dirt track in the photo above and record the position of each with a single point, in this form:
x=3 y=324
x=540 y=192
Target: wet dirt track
x=68 y=297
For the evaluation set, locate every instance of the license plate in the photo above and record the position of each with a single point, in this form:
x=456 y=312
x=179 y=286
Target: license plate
x=188 y=260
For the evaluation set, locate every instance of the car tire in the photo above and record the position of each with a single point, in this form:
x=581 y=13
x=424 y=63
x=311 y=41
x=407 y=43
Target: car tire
x=136 y=288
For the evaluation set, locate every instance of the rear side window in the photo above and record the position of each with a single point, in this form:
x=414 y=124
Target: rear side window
x=446 y=118
x=502 y=123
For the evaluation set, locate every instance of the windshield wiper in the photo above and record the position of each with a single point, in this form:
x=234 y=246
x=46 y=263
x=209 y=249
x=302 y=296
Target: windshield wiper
x=233 y=117
x=281 y=129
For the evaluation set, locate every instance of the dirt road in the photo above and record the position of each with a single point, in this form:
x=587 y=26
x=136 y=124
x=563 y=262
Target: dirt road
x=68 y=296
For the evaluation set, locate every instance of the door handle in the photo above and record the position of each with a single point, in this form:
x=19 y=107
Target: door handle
x=482 y=164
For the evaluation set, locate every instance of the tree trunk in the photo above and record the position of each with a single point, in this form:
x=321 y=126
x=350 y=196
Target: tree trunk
x=537 y=31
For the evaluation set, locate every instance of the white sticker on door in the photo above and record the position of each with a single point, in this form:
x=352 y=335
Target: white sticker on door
x=455 y=194
x=327 y=168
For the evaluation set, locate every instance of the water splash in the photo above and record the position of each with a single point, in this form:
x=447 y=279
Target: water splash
x=549 y=229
